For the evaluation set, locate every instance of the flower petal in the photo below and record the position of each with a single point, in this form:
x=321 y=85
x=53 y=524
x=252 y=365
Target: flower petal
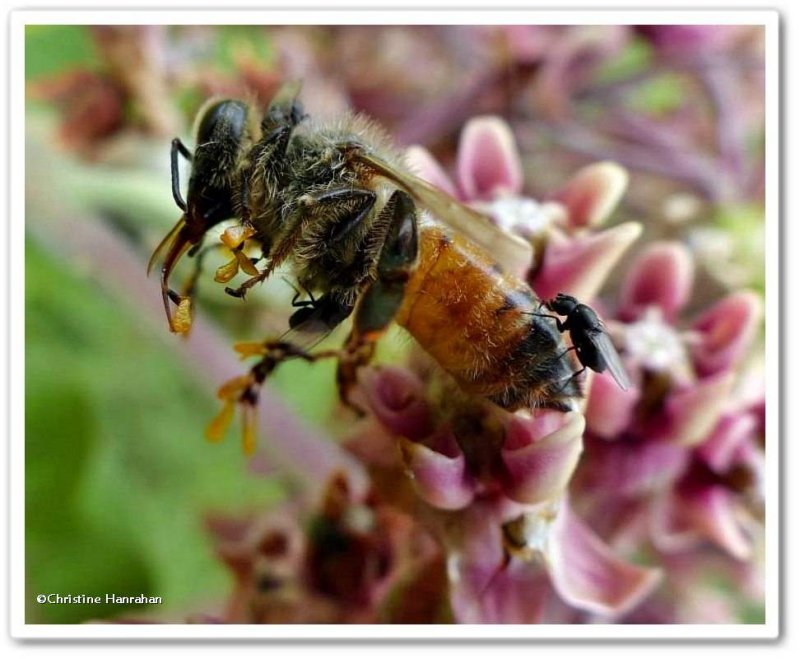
x=484 y=587
x=726 y=331
x=488 y=160
x=538 y=468
x=720 y=450
x=690 y=415
x=593 y=192
x=662 y=276
x=491 y=594
x=579 y=267
x=424 y=165
x=631 y=468
x=586 y=574
x=713 y=511
x=609 y=409
x=441 y=480
x=683 y=518
x=397 y=398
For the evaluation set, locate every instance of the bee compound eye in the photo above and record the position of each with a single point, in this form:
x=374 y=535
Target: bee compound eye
x=222 y=120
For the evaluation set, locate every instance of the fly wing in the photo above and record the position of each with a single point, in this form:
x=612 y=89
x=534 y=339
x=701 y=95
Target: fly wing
x=506 y=248
x=602 y=342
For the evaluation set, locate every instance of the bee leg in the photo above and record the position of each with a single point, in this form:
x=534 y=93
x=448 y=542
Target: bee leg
x=190 y=285
x=381 y=301
x=337 y=211
x=341 y=209
x=245 y=390
x=178 y=147
x=329 y=311
x=263 y=156
x=297 y=303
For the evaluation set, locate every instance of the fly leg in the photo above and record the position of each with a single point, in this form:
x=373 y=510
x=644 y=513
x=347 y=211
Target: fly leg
x=382 y=299
x=572 y=377
x=562 y=327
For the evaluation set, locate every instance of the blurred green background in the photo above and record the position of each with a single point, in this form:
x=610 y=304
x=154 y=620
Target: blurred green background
x=118 y=475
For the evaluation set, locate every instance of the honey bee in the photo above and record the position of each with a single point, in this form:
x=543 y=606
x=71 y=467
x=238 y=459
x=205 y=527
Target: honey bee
x=366 y=240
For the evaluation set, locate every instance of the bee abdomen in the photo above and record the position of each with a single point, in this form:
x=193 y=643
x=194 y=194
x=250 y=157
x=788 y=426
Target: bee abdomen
x=540 y=371
x=477 y=323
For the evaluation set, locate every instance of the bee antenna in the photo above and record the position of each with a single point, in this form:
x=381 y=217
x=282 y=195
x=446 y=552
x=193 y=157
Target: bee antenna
x=291 y=284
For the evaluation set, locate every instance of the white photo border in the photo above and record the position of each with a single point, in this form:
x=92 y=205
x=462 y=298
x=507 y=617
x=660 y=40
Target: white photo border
x=771 y=627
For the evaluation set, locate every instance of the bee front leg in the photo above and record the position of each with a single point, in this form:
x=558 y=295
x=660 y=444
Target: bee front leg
x=381 y=301
x=178 y=147
x=190 y=285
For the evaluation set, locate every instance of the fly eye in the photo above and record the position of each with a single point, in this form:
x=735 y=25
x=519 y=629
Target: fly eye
x=223 y=121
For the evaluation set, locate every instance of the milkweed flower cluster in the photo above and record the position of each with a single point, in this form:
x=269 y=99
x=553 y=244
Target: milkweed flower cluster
x=677 y=458
x=674 y=466
x=506 y=476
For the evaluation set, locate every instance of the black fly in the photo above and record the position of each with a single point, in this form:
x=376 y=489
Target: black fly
x=589 y=337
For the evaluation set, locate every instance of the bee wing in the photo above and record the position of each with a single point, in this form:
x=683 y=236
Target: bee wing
x=602 y=342
x=308 y=334
x=507 y=248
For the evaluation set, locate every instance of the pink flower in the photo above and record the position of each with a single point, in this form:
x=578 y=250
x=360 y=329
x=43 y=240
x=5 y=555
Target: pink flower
x=349 y=561
x=696 y=365
x=560 y=558
x=677 y=451
x=486 y=471
x=523 y=459
x=571 y=258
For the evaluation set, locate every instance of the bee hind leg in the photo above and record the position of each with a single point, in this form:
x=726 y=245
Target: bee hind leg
x=380 y=302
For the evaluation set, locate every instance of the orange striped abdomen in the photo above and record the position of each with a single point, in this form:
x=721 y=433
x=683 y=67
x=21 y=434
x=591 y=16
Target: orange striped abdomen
x=477 y=322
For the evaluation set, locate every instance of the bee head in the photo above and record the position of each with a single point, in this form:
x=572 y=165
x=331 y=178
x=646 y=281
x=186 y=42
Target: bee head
x=223 y=131
x=562 y=304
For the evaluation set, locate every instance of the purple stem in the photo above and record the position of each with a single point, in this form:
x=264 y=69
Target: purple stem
x=449 y=114
x=292 y=444
x=725 y=95
x=692 y=168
